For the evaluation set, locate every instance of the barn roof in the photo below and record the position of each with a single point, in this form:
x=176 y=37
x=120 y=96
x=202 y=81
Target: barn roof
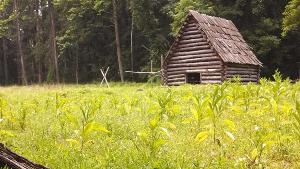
x=225 y=39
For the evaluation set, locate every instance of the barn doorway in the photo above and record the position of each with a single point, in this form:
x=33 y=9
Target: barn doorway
x=193 y=78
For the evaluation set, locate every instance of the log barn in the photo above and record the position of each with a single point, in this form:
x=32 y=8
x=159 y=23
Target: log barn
x=206 y=50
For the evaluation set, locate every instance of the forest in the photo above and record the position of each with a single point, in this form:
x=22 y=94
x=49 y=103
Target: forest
x=68 y=41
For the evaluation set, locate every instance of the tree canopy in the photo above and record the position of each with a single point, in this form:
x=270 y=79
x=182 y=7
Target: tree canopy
x=291 y=18
x=70 y=40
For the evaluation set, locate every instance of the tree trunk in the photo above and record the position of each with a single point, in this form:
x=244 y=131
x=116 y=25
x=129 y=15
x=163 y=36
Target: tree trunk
x=77 y=66
x=118 y=45
x=53 y=40
x=131 y=44
x=5 y=61
x=38 y=39
x=39 y=72
x=19 y=41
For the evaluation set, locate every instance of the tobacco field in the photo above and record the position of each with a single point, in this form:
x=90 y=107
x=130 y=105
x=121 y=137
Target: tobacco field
x=149 y=126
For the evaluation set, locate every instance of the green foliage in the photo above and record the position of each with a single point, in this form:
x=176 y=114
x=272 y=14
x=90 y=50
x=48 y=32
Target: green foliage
x=147 y=126
x=4 y=18
x=297 y=120
x=182 y=8
x=291 y=18
x=86 y=41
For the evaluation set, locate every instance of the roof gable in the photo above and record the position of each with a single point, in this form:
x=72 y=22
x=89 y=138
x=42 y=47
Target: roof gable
x=225 y=39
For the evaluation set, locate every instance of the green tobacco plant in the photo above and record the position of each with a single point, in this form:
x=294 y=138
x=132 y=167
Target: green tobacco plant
x=2 y=106
x=88 y=124
x=262 y=142
x=22 y=114
x=278 y=88
x=60 y=102
x=164 y=101
x=217 y=104
x=137 y=126
x=153 y=138
x=297 y=120
x=199 y=109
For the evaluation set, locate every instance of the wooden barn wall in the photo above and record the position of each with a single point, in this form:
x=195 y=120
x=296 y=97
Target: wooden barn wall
x=247 y=73
x=193 y=53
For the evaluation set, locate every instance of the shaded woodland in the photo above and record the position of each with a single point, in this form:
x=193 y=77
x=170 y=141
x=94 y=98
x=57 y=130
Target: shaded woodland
x=67 y=41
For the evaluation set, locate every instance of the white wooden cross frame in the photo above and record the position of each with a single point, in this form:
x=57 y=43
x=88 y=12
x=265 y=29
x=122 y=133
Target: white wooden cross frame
x=104 y=79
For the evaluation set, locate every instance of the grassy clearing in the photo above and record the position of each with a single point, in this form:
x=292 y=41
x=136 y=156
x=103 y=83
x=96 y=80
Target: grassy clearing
x=142 y=126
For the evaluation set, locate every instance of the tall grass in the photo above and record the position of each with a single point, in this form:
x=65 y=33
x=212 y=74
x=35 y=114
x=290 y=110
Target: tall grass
x=140 y=126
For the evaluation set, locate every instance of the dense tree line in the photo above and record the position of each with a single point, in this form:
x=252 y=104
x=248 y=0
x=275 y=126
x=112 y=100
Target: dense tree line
x=69 y=40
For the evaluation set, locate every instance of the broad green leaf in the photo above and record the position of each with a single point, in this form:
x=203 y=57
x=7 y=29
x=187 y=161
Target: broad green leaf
x=87 y=129
x=100 y=128
x=153 y=123
x=202 y=136
x=269 y=144
x=254 y=153
x=195 y=114
x=230 y=124
x=93 y=126
x=158 y=143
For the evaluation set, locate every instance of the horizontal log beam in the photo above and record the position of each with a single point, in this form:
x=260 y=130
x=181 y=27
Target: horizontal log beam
x=205 y=51
x=176 y=76
x=176 y=79
x=235 y=65
x=9 y=159
x=211 y=77
x=190 y=29
x=193 y=60
x=188 y=25
x=192 y=44
x=211 y=81
x=207 y=63
x=187 y=37
x=241 y=72
x=242 y=77
x=234 y=75
x=195 y=32
x=192 y=41
x=203 y=78
x=187 y=49
x=211 y=74
x=203 y=75
x=241 y=69
x=194 y=68
x=246 y=79
x=206 y=56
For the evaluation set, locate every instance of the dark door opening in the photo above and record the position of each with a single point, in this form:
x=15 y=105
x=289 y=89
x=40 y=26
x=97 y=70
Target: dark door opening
x=193 y=78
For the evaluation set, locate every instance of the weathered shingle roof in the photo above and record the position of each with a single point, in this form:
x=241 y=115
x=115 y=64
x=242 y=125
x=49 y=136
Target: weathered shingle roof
x=226 y=39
